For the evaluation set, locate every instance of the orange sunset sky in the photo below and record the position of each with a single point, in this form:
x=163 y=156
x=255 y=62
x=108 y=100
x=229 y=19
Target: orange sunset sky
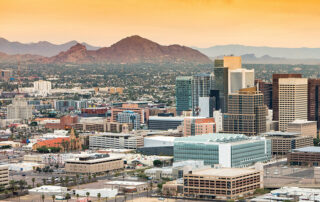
x=202 y=23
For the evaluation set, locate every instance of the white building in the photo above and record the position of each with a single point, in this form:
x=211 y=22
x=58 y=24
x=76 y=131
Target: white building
x=49 y=190
x=110 y=193
x=159 y=141
x=42 y=88
x=293 y=97
x=240 y=78
x=217 y=115
x=115 y=141
x=19 y=109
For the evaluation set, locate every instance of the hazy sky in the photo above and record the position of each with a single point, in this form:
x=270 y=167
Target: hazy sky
x=202 y=23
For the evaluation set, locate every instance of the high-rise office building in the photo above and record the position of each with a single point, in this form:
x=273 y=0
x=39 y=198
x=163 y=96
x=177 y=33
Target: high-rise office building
x=42 y=88
x=314 y=101
x=246 y=113
x=275 y=92
x=240 y=78
x=232 y=62
x=292 y=100
x=19 y=109
x=201 y=86
x=183 y=94
x=266 y=89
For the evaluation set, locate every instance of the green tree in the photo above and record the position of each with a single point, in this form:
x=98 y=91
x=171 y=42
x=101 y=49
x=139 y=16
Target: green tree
x=77 y=195
x=42 y=197
x=53 y=197
x=44 y=181
x=99 y=196
x=157 y=163
x=33 y=180
x=68 y=197
x=87 y=194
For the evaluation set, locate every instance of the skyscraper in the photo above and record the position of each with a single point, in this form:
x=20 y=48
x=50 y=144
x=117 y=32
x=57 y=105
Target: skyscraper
x=240 y=78
x=201 y=86
x=246 y=113
x=314 y=100
x=266 y=90
x=19 y=109
x=275 y=92
x=292 y=100
x=183 y=94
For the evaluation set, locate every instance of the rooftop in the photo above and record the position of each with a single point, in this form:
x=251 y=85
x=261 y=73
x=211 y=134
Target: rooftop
x=280 y=133
x=214 y=138
x=161 y=138
x=126 y=183
x=224 y=172
x=302 y=121
x=177 y=118
x=308 y=149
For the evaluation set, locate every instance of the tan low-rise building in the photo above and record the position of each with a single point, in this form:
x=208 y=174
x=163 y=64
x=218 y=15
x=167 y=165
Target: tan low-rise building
x=90 y=164
x=223 y=183
x=4 y=175
x=304 y=127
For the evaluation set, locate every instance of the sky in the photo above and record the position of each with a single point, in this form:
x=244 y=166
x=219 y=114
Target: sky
x=200 y=23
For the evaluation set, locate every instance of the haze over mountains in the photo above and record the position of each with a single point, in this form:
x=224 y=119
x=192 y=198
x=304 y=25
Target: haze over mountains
x=136 y=49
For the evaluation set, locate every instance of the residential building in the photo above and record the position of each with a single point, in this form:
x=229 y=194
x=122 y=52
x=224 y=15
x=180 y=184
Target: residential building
x=304 y=127
x=306 y=156
x=130 y=117
x=223 y=183
x=4 y=175
x=240 y=78
x=115 y=141
x=164 y=123
x=42 y=88
x=96 y=124
x=292 y=100
x=93 y=164
x=275 y=92
x=135 y=107
x=198 y=125
x=246 y=113
x=70 y=105
x=201 y=86
x=183 y=94
x=228 y=150
x=283 y=142
x=19 y=109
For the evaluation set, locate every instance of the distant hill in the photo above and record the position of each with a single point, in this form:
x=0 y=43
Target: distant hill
x=266 y=59
x=288 y=53
x=42 y=48
x=130 y=50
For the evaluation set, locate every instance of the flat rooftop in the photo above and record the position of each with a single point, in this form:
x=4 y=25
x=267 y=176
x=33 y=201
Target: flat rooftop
x=302 y=121
x=167 y=118
x=280 y=133
x=308 y=149
x=126 y=183
x=224 y=172
x=213 y=138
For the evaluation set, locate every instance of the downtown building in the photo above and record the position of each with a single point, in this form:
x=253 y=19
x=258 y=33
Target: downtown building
x=314 y=101
x=246 y=113
x=115 y=141
x=130 y=117
x=266 y=90
x=183 y=94
x=19 y=109
x=227 y=150
x=198 y=125
x=292 y=100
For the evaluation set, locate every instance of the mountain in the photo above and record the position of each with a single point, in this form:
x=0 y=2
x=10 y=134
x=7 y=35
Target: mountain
x=42 y=48
x=266 y=59
x=130 y=50
x=289 y=53
x=5 y=58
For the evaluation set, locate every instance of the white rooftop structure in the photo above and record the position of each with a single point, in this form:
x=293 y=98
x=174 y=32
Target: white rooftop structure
x=308 y=149
x=126 y=183
x=94 y=192
x=158 y=141
x=49 y=190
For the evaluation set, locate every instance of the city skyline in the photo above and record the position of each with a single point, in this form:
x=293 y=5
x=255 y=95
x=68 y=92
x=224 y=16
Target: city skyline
x=202 y=23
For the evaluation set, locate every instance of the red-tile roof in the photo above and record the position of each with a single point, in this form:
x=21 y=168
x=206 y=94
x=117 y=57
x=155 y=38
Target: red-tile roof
x=53 y=142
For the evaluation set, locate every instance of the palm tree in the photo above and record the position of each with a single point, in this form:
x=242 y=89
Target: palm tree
x=52 y=180
x=61 y=181
x=99 y=196
x=33 y=180
x=88 y=194
x=94 y=176
x=77 y=195
x=53 y=197
x=106 y=199
x=89 y=177
x=12 y=184
x=21 y=184
x=42 y=197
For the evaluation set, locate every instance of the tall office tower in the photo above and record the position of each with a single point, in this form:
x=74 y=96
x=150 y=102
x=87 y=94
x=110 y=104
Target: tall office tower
x=221 y=84
x=266 y=90
x=232 y=62
x=275 y=92
x=292 y=100
x=19 y=109
x=314 y=101
x=240 y=78
x=183 y=94
x=246 y=113
x=201 y=86
x=130 y=117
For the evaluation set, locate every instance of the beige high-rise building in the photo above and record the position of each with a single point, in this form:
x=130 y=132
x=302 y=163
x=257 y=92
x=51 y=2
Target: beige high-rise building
x=232 y=62
x=293 y=99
